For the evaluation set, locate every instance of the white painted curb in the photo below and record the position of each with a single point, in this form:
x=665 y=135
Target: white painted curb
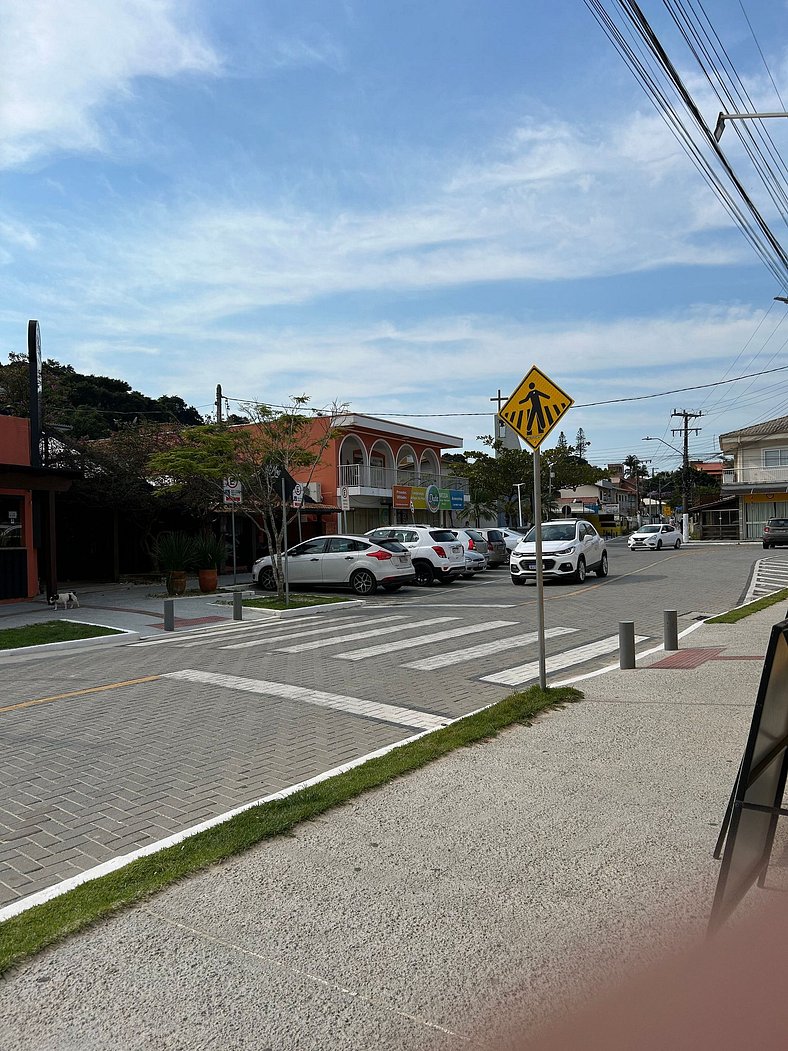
x=56 y=649
x=300 y=611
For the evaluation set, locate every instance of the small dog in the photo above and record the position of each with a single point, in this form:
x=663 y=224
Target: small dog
x=67 y=599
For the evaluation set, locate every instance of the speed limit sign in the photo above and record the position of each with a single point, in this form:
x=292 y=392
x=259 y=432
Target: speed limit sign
x=344 y=498
x=298 y=494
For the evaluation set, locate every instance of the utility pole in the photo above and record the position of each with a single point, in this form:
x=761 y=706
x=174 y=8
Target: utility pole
x=686 y=482
x=218 y=403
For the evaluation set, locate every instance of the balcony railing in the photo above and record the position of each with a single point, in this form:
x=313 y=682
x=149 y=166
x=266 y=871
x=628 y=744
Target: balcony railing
x=358 y=476
x=756 y=476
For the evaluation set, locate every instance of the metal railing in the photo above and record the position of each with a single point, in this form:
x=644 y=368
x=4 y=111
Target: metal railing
x=755 y=476
x=359 y=476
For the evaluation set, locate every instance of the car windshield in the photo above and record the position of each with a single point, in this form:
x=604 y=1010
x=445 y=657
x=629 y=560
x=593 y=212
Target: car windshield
x=649 y=529
x=444 y=536
x=554 y=531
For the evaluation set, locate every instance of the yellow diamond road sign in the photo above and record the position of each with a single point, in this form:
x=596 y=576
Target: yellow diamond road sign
x=535 y=407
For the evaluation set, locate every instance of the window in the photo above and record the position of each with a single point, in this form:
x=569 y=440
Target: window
x=343 y=543
x=11 y=521
x=310 y=547
x=775 y=457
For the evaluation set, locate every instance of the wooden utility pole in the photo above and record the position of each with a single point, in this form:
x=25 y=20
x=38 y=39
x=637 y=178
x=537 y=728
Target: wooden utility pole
x=686 y=482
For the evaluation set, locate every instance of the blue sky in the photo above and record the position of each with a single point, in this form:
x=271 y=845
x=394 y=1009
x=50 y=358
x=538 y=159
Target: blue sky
x=396 y=205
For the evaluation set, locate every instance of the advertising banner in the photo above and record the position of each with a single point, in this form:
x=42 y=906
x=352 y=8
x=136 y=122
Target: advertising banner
x=429 y=498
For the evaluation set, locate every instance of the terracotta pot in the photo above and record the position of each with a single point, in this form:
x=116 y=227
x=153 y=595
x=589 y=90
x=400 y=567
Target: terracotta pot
x=209 y=578
x=176 y=582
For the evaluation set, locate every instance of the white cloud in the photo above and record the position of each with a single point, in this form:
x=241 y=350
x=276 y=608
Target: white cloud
x=63 y=62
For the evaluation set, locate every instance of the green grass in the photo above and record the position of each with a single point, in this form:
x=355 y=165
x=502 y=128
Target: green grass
x=50 y=631
x=296 y=601
x=41 y=926
x=734 y=615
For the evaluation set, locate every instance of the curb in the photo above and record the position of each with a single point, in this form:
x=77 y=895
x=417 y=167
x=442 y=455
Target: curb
x=53 y=649
x=302 y=611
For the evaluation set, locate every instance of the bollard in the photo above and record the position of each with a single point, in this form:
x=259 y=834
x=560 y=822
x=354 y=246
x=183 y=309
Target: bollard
x=670 y=629
x=169 y=614
x=237 y=607
x=626 y=644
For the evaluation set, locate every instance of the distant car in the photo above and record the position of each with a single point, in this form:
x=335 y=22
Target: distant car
x=472 y=540
x=654 y=538
x=510 y=537
x=775 y=532
x=342 y=561
x=570 y=549
x=436 y=552
x=474 y=563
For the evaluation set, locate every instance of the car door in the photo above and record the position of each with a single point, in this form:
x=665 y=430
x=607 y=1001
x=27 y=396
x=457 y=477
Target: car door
x=342 y=555
x=305 y=562
x=592 y=545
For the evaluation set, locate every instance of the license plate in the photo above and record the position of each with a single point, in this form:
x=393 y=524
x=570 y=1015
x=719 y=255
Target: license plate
x=530 y=565
x=458 y=551
x=402 y=559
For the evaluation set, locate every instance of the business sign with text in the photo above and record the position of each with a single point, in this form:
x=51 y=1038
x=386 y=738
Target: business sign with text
x=426 y=498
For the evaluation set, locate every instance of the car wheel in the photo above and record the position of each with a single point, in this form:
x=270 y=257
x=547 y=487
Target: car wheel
x=392 y=587
x=601 y=569
x=363 y=582
x=424 y=574
x=677 y=545
x=766 y=546
x=266 y=579
x=659 y=545
x=580 y=572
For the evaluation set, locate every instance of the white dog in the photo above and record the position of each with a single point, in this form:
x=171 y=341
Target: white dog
x=67 y=599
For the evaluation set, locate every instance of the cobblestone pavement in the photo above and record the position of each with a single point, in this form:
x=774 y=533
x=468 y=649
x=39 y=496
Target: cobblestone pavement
x=103 y=753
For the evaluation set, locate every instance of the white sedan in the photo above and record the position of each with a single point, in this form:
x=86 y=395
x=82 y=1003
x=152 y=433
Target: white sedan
x=342 y=561
x=654 y=538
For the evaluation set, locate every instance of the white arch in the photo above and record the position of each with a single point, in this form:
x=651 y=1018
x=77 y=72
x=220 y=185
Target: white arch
x=381 y=445
x=407 y=475
x=429 y=464
x=354 y=442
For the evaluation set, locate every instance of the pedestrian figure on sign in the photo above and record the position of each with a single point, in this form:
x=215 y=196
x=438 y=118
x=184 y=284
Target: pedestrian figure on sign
x=535 y=412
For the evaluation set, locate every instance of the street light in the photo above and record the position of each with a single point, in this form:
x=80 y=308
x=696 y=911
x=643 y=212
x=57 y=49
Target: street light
x=518 y=486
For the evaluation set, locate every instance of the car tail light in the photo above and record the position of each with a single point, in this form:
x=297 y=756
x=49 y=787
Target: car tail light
x=381 y=556
x=471 y=544
x=766 y=529
x=439 y=551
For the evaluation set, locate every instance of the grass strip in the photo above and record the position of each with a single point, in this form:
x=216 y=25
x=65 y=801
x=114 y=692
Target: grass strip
x=50 y=631
x=734 y=615
x=31 y=931
x=295 y=602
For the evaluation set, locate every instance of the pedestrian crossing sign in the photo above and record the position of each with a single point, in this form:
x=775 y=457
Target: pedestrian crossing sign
x=535 y=407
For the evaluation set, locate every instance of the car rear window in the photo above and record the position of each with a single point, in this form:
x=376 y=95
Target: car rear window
x=392 y=545
x=495 y=535
x=474 y=534
x=443 y=536
x=779 y=523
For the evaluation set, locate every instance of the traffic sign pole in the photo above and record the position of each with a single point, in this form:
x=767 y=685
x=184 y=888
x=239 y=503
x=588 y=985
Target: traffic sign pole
x=539 y=567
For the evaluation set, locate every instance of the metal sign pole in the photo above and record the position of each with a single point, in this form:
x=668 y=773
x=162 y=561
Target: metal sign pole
x=284 y=526
x=235 y=557
x=539 y=568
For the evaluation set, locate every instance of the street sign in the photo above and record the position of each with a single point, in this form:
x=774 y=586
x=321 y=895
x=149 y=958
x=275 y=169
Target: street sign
x=233 y=491
x=535 y=407
x=344 y=498
x=298 y=495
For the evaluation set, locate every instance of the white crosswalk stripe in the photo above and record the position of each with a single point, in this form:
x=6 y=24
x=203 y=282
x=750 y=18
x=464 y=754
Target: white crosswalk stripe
x=525 y=672
x=302 y=634
x=317 y=644
x=388 y=713
x=769 y=575
x=422 y=640
x=485 y=649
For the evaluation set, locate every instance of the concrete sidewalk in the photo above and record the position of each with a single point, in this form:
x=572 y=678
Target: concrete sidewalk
x=502 y=881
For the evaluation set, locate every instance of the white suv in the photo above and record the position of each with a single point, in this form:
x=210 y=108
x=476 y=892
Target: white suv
x=570 y=548
x=436 y=552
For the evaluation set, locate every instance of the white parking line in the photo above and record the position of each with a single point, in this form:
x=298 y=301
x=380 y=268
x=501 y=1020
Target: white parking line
x=312 y=631
x=387 y=713
x=443 y=660
x=319 y=643
x=422 y=640
x=523 y=672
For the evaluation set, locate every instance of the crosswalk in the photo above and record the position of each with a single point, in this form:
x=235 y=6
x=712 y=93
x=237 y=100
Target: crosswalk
x=469 y=649
x=769 y=575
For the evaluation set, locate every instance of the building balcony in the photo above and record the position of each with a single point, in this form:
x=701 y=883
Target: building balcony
x=764 y=479
x=379 y=481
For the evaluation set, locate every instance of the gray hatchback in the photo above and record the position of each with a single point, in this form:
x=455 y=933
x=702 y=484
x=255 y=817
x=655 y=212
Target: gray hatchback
x=775 y=532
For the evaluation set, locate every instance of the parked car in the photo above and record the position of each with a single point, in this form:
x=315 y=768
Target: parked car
x=775 y=532
x=342 y=561
x=474 y=563
x=472 y=540
x=435 y=551
x=570 y=549
x=501 y=535
x=654 y=538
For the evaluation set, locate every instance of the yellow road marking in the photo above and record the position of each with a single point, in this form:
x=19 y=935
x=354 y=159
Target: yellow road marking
x=78 y=693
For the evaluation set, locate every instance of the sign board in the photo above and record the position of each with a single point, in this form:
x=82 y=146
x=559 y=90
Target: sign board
x=298 y=494
x=535 y=407
x=756 y=803
x=233 y=491
x=423 y=498
x=344 y=498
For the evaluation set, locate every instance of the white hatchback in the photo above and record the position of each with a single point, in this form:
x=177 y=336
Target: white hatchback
x=654 y=538
x=342 y=561
x=571 y=547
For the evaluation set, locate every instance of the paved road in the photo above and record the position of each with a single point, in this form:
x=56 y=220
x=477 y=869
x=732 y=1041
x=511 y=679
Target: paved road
x=106 y=752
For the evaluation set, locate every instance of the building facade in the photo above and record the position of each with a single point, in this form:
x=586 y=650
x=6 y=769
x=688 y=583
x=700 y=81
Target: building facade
x=759 y=476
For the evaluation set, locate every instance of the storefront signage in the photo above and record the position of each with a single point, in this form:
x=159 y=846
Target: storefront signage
x=427 y=498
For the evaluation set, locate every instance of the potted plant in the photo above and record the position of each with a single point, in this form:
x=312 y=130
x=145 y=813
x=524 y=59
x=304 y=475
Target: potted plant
x=209 y=554
x=174 y=554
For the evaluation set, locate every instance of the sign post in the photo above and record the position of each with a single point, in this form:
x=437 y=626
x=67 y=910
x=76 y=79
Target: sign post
x=532 y=411
x=233 y=496
x=344 y=503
